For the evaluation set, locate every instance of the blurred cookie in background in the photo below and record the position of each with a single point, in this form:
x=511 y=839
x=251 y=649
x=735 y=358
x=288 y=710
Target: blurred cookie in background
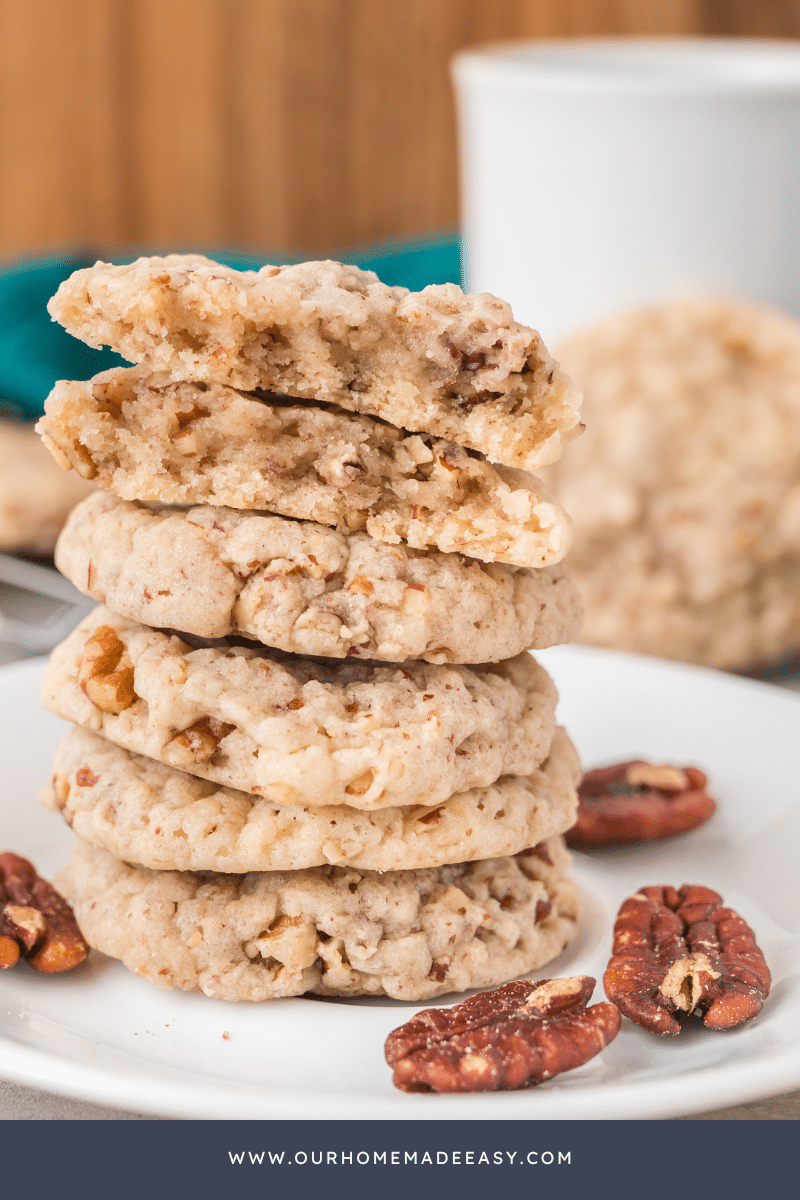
x=685 y=488
x=35 y=494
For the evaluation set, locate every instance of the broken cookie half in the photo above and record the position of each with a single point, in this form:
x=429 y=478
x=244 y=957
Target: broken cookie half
x=436 y=361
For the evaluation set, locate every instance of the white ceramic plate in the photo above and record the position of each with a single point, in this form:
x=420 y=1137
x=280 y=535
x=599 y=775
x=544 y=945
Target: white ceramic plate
x=101 y=1034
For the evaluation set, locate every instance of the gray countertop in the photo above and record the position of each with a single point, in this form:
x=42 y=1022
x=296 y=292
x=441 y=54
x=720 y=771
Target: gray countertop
x=19 y=1103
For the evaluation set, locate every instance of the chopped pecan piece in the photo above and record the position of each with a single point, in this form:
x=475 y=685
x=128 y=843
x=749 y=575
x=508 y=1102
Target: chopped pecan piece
x=362 y=585
x=512 y=1037
x=36 y=923
x=540 y=851
x=105 y=674
x=83 y=461
x=187 y=417
x=683 y=951
x=199 y=741
x=638 y=802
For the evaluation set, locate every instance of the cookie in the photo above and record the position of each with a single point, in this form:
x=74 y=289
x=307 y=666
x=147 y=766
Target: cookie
x=307 y=589
x=637 y=603
x=302 y=730
x=436 y=361
x=35 y=496
x=685 y=490
x=147 y=438
x=144 y=812
x=333 y=931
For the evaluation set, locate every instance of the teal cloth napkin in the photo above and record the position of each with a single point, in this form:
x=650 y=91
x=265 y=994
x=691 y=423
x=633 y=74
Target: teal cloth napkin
x=35 y=352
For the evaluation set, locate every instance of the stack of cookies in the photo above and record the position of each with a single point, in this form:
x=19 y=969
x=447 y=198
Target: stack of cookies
x=312 y=753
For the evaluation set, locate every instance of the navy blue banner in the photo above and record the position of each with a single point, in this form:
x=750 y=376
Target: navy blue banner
x=649 y=1160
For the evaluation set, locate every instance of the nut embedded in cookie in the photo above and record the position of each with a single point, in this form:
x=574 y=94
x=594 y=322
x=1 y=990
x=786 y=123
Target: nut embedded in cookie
x=518 y=1035
x=682 y=951
x=106 y=674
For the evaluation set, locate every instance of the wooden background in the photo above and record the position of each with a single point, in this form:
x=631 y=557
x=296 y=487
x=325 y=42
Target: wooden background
x=287 y=124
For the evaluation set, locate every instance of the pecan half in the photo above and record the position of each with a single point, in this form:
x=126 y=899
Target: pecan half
x=36 y=923
x=683 y=951
x=638 y=802
x=517 y=1035
x=106 y=674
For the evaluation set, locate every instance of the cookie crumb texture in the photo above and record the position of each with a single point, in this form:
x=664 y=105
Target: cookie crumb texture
x=333 y=931
x=303 y=731
x=307 y=589
x=147 y=813
x=149 y=438
x=437 y=361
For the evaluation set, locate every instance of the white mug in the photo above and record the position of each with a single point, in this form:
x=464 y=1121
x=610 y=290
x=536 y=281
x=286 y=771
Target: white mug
x=603 y=174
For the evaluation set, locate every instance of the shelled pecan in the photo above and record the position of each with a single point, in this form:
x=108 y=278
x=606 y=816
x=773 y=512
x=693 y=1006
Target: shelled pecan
x=199 y=742
x=682 y=951
x=36 y=923
x=512 y=1037
x=106 y=674
x=638 y=802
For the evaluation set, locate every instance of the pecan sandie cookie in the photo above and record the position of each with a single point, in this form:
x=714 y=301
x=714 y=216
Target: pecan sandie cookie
x=303 y=730
x=145 y=812
x=307 y=589
x=685 y=489
x=436 y=361
x=336 y=931
x=149 y=438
